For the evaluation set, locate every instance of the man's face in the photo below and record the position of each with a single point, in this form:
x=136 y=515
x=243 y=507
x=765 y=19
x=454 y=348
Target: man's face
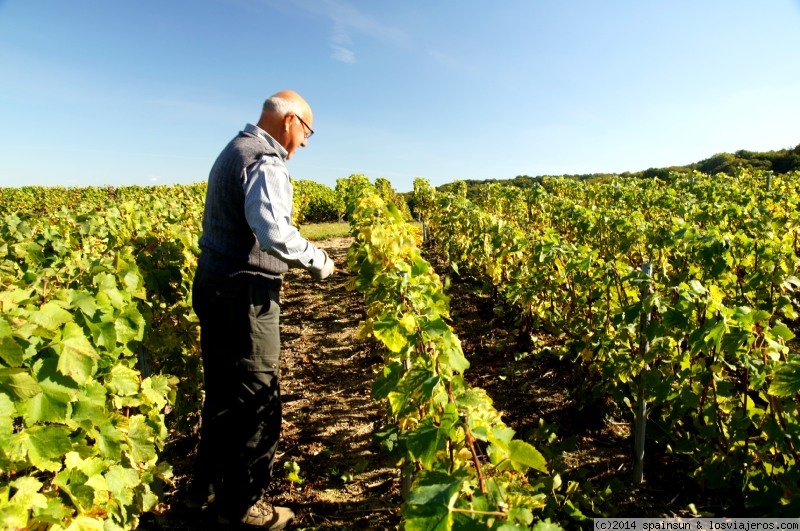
x=299 y=129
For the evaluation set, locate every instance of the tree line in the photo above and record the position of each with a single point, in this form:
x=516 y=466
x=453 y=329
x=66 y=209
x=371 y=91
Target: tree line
x=779 y=162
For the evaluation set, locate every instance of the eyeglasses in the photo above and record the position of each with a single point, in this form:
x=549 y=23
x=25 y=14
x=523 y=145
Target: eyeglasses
x=310 y=131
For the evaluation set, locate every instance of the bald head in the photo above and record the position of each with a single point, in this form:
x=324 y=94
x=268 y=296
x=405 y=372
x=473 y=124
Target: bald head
x=287 y=117
x=284 y=102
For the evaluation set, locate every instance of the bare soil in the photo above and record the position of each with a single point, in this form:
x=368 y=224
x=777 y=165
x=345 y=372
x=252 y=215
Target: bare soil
x=348 y=482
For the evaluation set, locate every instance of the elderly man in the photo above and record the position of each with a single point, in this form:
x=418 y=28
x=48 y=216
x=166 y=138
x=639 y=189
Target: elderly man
x=247 y=243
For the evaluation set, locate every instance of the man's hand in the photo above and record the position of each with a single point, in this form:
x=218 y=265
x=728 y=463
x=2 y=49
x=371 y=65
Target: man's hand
x=327 y=270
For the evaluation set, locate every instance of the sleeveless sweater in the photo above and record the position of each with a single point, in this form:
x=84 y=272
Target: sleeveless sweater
x=228 y=245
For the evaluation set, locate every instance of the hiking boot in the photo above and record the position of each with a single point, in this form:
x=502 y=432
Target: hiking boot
x=260 y=515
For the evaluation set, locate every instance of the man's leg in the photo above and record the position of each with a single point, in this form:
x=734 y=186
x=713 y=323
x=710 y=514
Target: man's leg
x=213 y=299
x=242 y=417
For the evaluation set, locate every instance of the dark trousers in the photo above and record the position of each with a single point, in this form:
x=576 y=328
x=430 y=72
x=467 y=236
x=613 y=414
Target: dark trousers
x=241 y=417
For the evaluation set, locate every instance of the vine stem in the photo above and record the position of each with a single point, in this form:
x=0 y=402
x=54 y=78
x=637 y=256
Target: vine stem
x=470 y=443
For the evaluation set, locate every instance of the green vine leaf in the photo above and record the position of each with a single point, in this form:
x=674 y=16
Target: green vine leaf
x=121 y=482
x=46 y=444
x=387 y=381
x=525 y=454
x=104 y=334
x=84 y=301
x=786 y=382
x=18 y=383
x=109 y=440
x=7 y=414
x=425 y=441
x=51 y=405
x=436 y=488
x=123 y=381
x=10 y=351
x=140 y=439
x=77 y=358
x=51 y=316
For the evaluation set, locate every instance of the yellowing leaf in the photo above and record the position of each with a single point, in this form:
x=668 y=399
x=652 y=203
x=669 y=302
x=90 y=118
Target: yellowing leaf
x=365 y=330
x=141 y=439
x=27 y=493
x=77 y=357
x=390 y=333
x=51 y=316
x=409 y=323
x=123 y=381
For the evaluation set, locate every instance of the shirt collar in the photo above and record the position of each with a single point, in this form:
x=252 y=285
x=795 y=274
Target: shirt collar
x=257 y=131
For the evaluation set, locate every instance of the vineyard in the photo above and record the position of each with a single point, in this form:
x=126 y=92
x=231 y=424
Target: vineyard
x=672 y=304
x=674 y=296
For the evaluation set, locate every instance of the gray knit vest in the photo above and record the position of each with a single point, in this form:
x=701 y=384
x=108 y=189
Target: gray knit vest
x=228 y=245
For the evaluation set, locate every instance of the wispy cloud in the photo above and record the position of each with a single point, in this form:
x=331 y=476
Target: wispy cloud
x=345 y=55
x=348 y=22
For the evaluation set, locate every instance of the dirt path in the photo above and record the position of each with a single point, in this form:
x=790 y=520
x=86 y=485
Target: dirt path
x=329 y=414
x=347 y=481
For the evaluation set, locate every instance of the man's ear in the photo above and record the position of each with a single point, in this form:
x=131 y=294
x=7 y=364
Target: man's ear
x=287 y=121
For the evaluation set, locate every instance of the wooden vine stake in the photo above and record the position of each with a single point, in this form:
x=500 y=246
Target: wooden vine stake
x=640 y=421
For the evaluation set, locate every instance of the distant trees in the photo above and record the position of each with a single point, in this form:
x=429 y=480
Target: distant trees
x=730 y=162
x=315 y=202
x=780 y=161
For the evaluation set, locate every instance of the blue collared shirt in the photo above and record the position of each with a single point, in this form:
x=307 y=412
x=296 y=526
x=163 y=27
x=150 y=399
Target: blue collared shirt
x=268 y=208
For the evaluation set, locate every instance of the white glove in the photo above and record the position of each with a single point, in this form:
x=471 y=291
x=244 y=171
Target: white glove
x=325 y=272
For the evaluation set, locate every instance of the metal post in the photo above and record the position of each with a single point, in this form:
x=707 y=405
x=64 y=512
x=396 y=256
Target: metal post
x=424 y=228
x=640 y=421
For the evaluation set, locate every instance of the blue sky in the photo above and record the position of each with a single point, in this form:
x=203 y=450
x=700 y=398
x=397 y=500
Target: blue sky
x=114 y=92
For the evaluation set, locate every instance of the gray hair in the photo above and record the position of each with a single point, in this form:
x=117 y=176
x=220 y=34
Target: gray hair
x=283 y=106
